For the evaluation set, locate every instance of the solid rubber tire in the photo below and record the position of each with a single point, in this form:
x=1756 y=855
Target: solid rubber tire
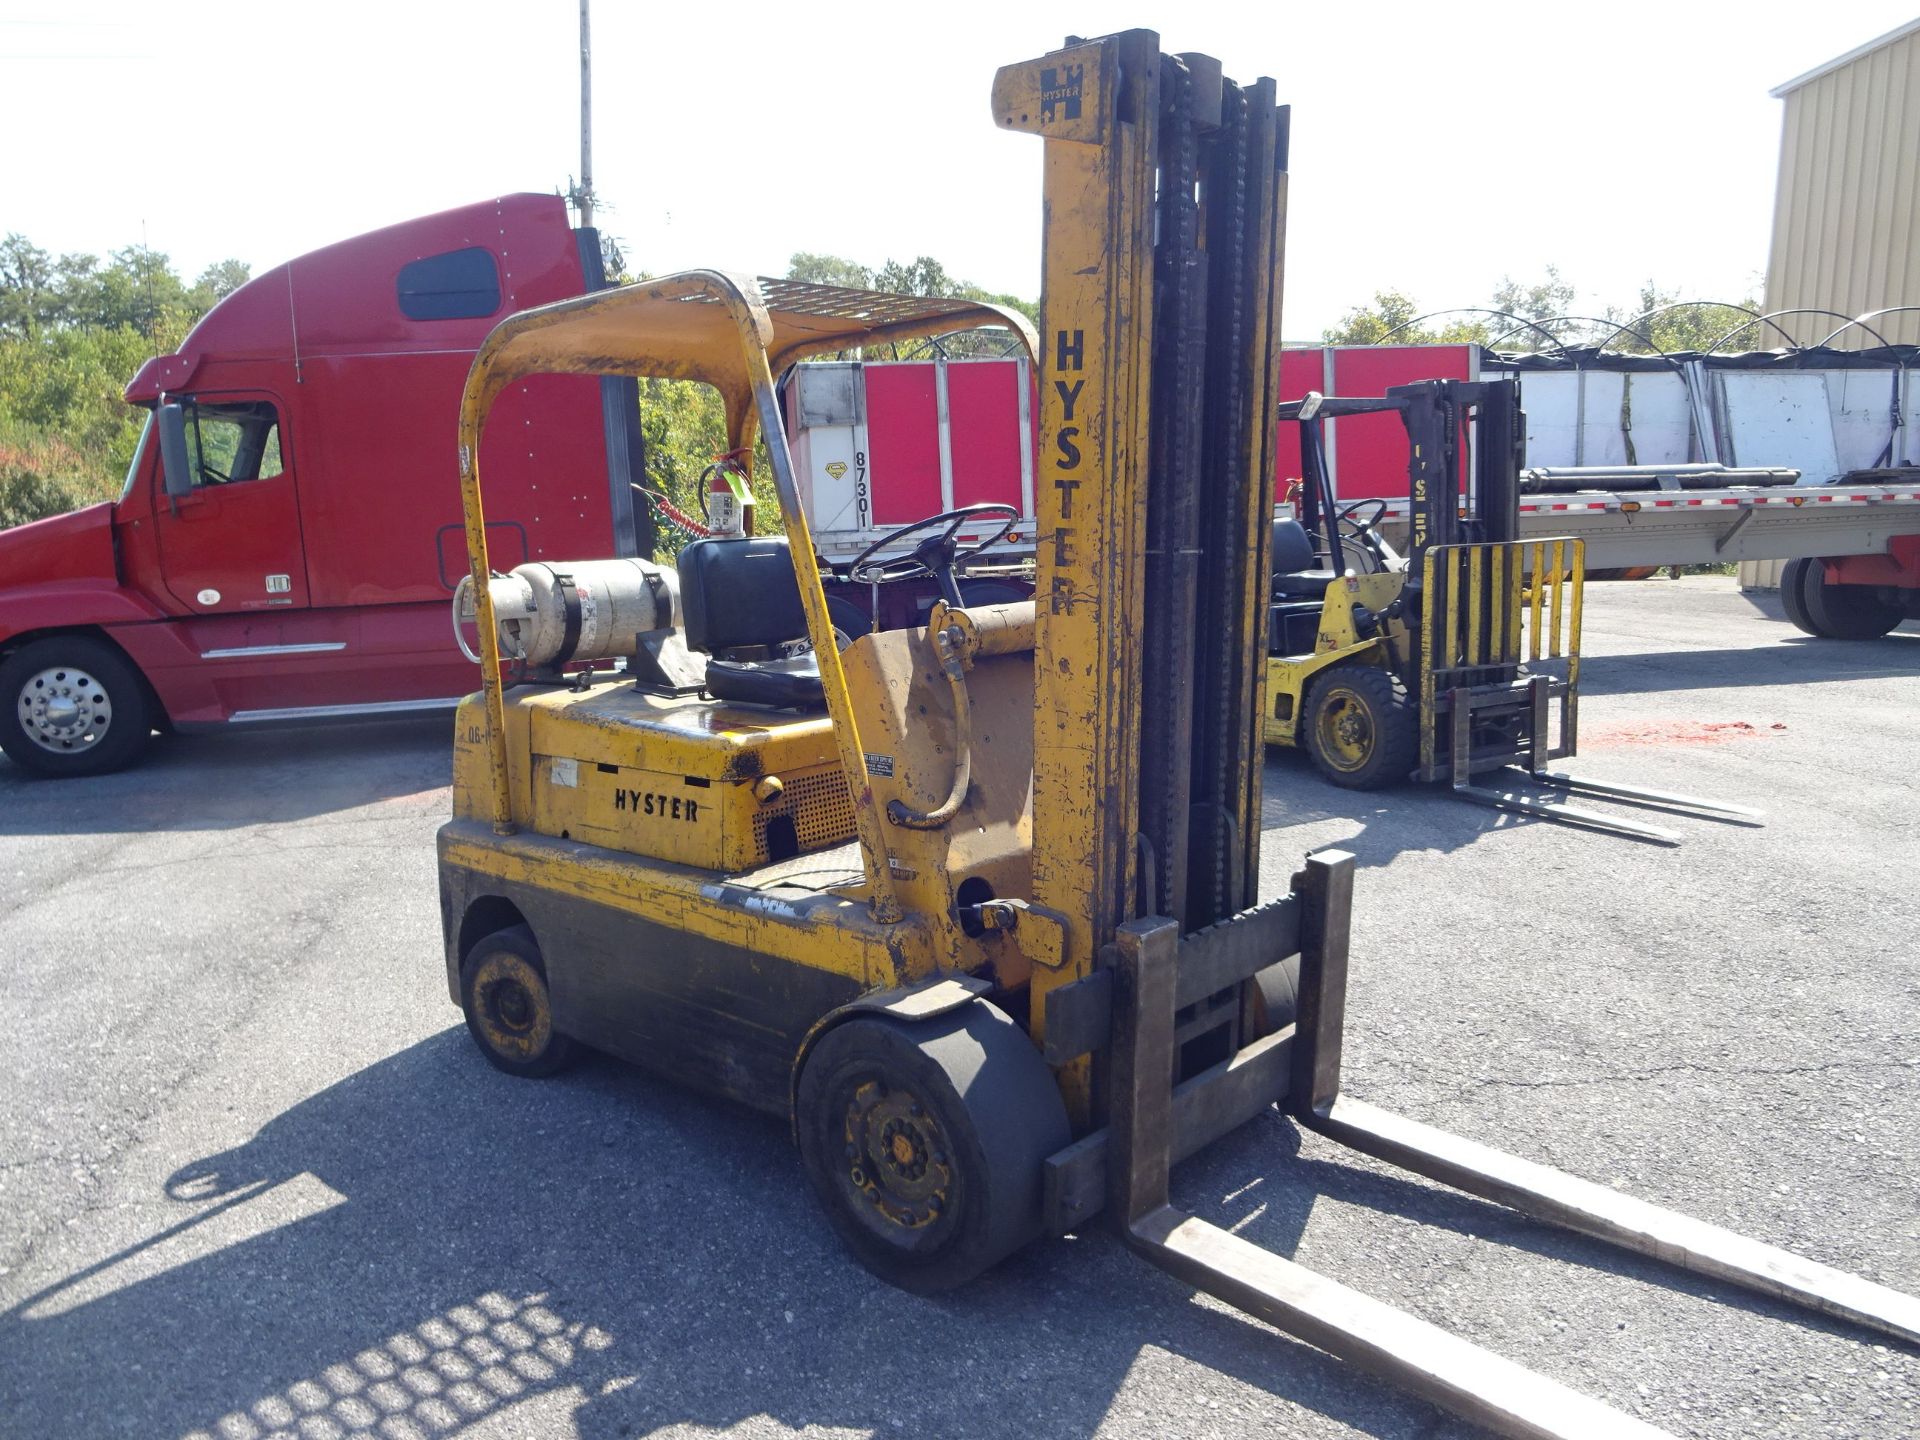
x=516 y=942
x=1395 y=726
x=997 y=1106
x=131 y=725
x=1277 y=996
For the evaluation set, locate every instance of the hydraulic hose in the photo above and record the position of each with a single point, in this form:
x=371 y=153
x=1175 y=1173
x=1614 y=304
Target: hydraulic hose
x=946 y=647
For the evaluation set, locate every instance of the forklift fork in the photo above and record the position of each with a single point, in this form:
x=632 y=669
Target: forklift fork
x=1488 y=610
x=1400 y=1348
x=1537 y=755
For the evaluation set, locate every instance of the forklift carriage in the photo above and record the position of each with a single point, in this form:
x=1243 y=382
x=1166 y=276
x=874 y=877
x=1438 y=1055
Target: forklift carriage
x=975 y=905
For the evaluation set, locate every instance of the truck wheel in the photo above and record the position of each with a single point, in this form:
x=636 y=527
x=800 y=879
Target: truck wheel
x=1793 y=581
x=1845 y=612
x=72 y=705
x=503 y=993
x=1360 y=727
x=924 y=1142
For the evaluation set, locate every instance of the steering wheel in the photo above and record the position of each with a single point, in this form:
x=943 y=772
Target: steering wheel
x=937 y=554
x=1347 y=512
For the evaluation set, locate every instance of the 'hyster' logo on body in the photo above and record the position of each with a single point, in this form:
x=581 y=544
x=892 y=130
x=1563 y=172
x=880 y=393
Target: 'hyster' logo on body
x=665 y=807
x=1060 y=91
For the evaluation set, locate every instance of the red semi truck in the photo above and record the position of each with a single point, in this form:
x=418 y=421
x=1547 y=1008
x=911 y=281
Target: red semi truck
x=288 y=539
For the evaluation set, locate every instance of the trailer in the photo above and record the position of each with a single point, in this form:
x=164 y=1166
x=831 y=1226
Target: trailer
x=1804 y=455
x=877 y=444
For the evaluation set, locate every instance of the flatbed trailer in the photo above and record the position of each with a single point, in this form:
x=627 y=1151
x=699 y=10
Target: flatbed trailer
x=1624 y=529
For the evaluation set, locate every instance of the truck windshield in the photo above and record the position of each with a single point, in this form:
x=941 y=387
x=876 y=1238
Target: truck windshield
x=139 y=451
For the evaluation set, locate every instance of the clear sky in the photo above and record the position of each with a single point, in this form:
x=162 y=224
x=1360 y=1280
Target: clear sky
x=1435 y=148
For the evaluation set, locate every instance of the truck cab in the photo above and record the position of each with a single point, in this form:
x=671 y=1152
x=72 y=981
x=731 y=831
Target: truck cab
x=288 y=537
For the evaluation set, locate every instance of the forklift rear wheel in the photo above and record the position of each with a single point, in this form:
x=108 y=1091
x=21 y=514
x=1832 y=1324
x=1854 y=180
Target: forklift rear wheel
x=503 y=992
x=72 y=705
x=924 y=1142
x=1845 y=612
x=1360 y=728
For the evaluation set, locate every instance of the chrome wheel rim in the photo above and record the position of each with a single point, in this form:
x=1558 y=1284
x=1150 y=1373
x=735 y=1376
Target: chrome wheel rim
x=64 y=710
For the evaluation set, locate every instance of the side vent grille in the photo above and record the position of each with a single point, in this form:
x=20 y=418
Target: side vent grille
x=821 y=809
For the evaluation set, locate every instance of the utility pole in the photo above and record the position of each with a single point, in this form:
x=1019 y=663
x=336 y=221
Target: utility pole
x=586 y=119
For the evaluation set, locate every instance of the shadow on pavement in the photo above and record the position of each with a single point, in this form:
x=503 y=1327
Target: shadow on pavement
x=233 y=779
x=428 y=1242
x=1398 y=820
x=1796 y=660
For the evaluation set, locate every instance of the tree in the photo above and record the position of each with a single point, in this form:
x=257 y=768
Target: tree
x=1389 y=319
x=220 y=280
x=828 y=270
x=1540 y=318
x=26 y=279
x=72 y=331
x=1664 y=324
x=922 y=275
x=1546 y=303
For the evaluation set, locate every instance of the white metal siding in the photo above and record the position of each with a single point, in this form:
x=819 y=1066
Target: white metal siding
x=1847 y=210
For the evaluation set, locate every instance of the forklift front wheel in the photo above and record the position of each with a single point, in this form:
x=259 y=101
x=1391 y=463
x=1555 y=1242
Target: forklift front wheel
x=503 y=992
x=1360 y=727
x=924 y=1142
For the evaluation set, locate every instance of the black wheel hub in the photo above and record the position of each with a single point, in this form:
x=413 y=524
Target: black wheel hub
x=896 y=1159
x=510 y=1006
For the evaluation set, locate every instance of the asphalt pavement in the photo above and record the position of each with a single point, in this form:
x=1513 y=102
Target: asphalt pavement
x=254 y=1179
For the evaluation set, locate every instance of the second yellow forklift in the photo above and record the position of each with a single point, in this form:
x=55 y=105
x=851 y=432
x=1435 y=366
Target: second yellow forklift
x=975 y=905
x=1459 y=661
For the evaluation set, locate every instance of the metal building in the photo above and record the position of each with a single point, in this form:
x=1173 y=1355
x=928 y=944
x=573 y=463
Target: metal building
x=1846 y=216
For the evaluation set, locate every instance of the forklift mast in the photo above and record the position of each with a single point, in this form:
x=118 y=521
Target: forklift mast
x=1454 y=428
x=1158 y=376
x=1457 y=427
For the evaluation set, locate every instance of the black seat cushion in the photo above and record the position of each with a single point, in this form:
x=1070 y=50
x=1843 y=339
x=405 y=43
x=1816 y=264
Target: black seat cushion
x=1294 y=575
x=792 y=684
x=739 y=592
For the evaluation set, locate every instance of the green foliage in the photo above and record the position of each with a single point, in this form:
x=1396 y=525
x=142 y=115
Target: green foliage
x=683 y=425
x=828 y=270
x=1389 y=319
x=72 y=333
x=1544 y=303
x=1686 y=326
x=41 y=477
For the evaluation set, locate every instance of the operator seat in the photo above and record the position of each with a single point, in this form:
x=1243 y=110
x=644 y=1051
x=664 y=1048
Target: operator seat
x=739 y=594
x=1294 y=575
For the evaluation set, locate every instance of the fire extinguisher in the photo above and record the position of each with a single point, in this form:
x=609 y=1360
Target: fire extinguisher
x=729 y=500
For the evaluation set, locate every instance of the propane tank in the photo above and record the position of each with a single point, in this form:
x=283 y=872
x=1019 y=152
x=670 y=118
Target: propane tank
x=560 y=613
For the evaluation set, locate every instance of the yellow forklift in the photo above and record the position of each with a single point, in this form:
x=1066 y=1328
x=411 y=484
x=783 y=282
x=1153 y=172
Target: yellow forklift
x=974 y=906
x=1459 y=661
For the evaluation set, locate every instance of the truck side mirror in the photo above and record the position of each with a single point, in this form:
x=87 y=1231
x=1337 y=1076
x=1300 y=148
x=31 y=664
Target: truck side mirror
x=173 y=449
